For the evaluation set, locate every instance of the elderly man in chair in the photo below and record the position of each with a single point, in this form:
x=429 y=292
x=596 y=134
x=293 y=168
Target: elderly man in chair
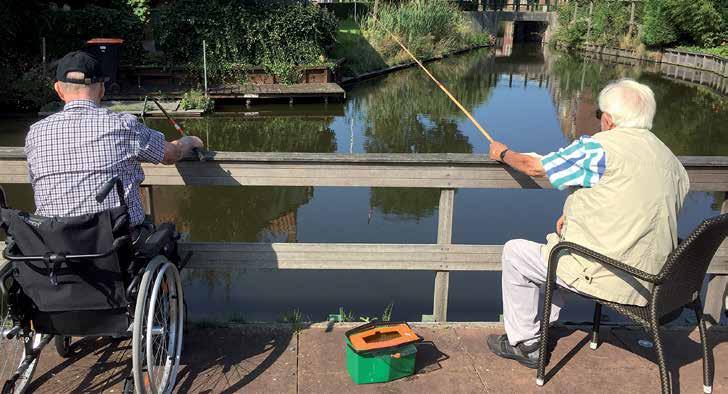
x=627 y=188
x=72 y=153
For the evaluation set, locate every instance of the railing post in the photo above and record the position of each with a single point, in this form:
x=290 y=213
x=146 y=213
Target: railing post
x=444 y=237
x=147 y=200
x=717 y=290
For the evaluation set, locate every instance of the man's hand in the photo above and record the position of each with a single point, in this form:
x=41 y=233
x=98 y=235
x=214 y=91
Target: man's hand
x=559 y=225
x=191 y=142
x=176 y=150
x=496 y=148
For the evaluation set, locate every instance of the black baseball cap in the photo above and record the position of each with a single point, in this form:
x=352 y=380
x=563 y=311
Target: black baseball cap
x=80 y=61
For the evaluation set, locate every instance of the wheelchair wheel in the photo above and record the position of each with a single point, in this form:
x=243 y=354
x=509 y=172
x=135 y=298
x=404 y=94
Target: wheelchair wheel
x=63 y=345
x=158 y=327
x=12 y=352
x=12 y=355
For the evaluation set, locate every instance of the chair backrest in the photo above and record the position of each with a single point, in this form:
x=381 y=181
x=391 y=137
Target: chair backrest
x=685 y=269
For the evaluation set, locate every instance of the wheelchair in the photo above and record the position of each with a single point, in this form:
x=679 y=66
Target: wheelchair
x=90 y=276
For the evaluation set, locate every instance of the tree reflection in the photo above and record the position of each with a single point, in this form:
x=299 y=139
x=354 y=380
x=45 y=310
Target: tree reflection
x=244 y=214
x=690 y=118
x=407 y=113
x=263 y=134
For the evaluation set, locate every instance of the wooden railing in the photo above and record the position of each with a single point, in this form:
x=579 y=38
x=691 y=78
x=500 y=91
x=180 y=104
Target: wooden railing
x=702 y=61
x=444 y=171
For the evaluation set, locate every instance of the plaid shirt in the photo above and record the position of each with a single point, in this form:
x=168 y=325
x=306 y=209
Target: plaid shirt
x=72 y=153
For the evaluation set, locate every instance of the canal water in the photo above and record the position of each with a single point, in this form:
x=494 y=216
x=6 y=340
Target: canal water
x=531 y=98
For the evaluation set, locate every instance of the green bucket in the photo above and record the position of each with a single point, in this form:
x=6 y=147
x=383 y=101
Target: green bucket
x=379 y=367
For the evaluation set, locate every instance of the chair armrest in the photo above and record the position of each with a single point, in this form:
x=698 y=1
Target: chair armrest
x=600 y=258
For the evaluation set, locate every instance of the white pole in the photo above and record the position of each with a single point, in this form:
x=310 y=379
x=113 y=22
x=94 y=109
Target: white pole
x=204 y=62
x=44 y=54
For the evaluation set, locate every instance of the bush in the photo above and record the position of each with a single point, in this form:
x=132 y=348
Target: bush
x=196 y=99
x=346 y=10
x=281 y=37
x=571 y=32
x=699 y=22
x=658 y=30
x=426 y=27
x=69 y=30
x=610 y=22
x=32 y=90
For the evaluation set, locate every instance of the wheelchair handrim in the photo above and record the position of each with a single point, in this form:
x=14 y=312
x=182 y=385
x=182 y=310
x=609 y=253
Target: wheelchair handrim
x=171 y=321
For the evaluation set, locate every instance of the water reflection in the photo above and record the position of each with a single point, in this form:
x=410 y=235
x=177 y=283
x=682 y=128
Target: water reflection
x=532 y=99
x=258 y=133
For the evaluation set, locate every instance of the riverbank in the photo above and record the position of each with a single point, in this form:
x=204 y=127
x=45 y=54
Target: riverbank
x=453 y=358
x=430 y=29
x=347 y=81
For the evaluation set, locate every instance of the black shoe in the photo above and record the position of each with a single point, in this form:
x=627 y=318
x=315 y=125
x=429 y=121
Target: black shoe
x=526 y=355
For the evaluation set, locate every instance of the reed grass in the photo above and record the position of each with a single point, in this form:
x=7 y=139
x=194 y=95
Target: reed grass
x=428 y=28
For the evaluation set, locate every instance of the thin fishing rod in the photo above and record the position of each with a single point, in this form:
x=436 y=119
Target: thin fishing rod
x=440 y=85
x=197 y=151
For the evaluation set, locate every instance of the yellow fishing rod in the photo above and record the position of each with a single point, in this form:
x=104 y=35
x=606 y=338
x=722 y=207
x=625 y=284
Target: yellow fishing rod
x=438 y=83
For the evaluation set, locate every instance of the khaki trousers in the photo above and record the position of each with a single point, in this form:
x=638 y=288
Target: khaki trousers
x=524 y=273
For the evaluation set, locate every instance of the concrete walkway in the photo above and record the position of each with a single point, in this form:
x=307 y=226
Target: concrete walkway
x=453 y=359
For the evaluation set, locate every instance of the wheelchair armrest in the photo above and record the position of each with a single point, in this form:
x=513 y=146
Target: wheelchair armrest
x=602 y=259
x=157 y=240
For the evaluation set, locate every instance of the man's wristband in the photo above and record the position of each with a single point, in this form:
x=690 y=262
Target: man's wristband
x=503 y=155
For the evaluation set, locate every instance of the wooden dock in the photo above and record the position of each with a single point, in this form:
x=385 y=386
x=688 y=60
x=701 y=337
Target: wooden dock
x=325 y=91
x=135 y=107
x=249 y=92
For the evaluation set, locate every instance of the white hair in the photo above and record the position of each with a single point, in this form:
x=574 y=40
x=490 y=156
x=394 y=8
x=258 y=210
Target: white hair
x=630 y=103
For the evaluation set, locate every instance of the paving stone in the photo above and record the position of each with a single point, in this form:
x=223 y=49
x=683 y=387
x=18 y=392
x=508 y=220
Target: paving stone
x=451 y=360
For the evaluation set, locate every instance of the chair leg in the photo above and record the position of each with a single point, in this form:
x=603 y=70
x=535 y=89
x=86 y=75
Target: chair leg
x=664 y=375
x=543 y=355
x=595 y=327
x=707 y=352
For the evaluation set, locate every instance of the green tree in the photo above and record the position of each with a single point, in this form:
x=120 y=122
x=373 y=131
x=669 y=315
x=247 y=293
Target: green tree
x=699 y=22
x=658 y=30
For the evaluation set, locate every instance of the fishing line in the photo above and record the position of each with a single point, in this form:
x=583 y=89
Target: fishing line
x=438 y=83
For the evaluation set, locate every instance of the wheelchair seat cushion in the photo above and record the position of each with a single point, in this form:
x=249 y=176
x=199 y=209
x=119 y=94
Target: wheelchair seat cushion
x=80 y=284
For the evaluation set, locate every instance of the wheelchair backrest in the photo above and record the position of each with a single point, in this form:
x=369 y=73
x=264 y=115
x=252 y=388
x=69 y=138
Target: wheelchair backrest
x=52 y=263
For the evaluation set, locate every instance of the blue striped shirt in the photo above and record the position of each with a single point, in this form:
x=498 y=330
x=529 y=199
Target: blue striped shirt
x=580 y=164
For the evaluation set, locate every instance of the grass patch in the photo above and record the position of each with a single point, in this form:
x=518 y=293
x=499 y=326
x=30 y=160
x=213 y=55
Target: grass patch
x=344 y=317
x=428 y=28
x=196 y=99
x=295 y=318
x=351 y=45
x=718 y=51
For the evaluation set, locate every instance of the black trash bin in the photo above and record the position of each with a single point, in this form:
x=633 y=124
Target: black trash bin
x=108 y=52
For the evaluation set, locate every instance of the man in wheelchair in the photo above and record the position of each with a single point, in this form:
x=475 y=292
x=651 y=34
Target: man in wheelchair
x=87 y=263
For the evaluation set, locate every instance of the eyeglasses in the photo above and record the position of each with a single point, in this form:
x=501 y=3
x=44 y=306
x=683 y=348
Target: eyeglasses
x=599 y=114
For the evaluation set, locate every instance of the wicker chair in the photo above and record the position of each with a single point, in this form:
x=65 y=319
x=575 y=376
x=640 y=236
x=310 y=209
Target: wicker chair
x=677 y=284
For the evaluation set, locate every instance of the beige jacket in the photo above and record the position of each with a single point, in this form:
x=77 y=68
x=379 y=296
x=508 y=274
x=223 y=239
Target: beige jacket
x=630 y=215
